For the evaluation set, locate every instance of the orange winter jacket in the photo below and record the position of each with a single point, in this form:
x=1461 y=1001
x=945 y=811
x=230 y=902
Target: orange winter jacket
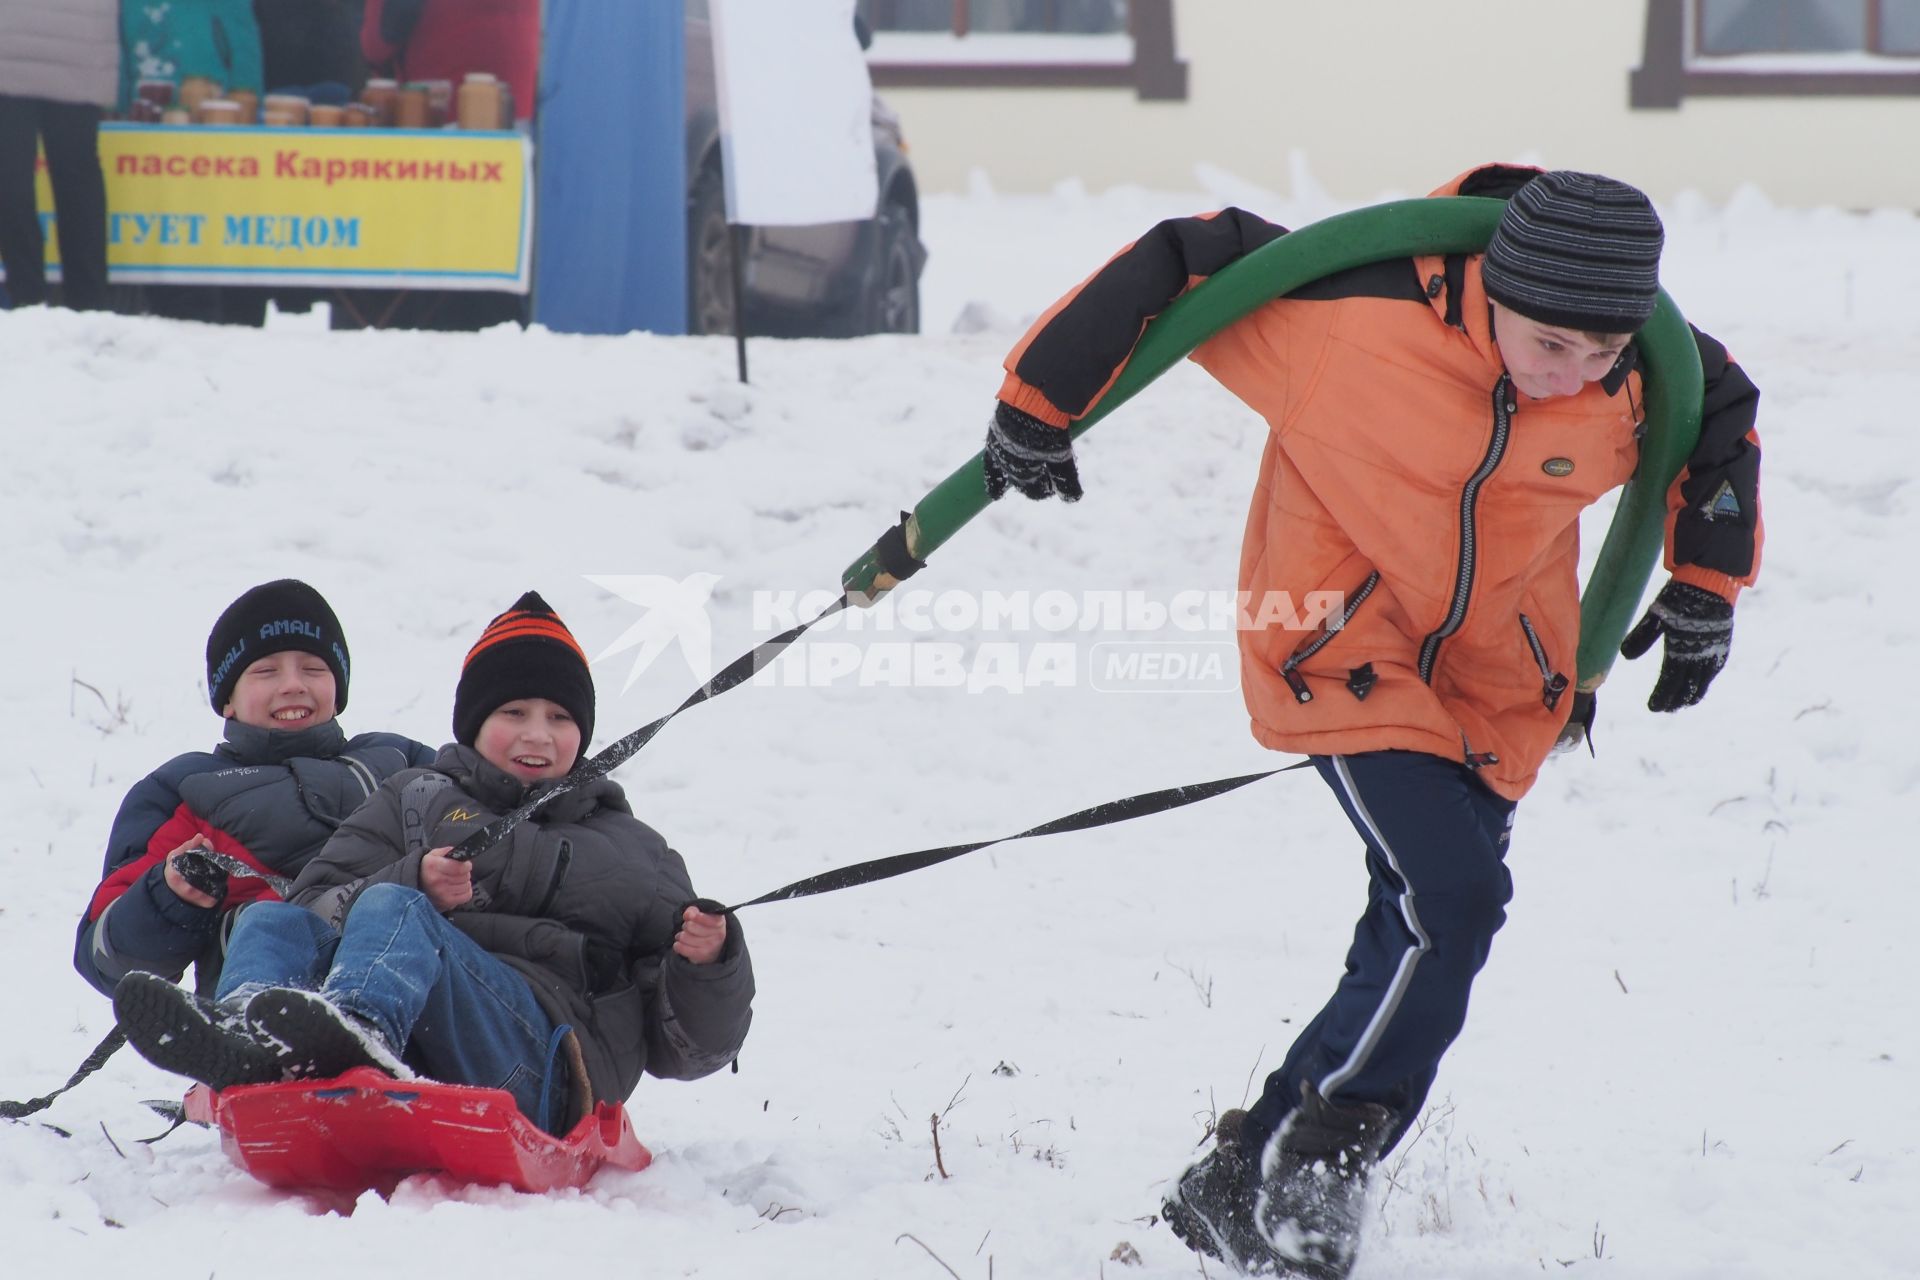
x=1411 y=551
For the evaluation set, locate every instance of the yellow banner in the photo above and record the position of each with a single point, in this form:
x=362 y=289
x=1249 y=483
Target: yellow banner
x=361 y=208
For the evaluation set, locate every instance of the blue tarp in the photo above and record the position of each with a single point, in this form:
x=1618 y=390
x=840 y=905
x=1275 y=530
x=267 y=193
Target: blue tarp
x=611 y=220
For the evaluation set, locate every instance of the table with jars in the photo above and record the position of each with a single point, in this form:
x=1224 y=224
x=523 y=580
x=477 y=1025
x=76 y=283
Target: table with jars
x=481 y=102
x=410 y=186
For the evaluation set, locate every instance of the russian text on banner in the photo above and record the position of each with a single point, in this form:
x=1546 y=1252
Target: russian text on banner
x=317 y=207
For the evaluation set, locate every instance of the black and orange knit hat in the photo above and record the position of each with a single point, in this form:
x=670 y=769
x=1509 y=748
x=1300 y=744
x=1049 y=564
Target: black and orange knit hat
x=526 y=652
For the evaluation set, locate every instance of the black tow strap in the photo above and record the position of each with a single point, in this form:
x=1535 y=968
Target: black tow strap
x=1099 y=815
x=95 y=1060
x=736 y=673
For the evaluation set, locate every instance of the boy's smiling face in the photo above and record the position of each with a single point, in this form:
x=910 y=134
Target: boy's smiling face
x=286 y=691
x=530 y=738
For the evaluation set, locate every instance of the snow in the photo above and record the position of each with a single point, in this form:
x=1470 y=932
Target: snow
x=1693 y=1054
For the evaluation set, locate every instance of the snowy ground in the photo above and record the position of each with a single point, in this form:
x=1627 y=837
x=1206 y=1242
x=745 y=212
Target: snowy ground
x=1694 y=1054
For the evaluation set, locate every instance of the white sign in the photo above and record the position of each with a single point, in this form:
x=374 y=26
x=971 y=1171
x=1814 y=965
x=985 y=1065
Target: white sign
x=796 y=112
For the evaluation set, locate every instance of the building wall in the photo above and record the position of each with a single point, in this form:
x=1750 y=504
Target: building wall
x=1383 y=96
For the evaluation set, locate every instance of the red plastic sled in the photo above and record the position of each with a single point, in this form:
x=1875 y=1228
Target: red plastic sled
x=366 y=1130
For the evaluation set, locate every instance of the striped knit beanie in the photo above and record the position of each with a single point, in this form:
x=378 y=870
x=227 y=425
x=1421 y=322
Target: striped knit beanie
x=526 y=652
x=1579 y=251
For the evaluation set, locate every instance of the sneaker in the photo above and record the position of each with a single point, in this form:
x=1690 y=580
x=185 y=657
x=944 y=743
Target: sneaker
x=1211 y=1207
x=318 y=1038
x=1314 y=1184
x=181 y=1032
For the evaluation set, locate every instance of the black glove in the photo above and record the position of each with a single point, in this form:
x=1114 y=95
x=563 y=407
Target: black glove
x=1029 y=455
x=1699 y=628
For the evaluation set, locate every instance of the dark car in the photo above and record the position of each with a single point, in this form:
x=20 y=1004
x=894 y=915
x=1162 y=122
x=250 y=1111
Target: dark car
x=836 y=279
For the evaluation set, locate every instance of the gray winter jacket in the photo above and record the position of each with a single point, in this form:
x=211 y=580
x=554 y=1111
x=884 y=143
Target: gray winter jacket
x=64 y=50
x=584 y=902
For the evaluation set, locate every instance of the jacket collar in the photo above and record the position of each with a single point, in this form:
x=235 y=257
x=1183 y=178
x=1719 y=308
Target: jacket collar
x=500 y=791
x=1453 y=282
x=1459 y=301
x=250 y=744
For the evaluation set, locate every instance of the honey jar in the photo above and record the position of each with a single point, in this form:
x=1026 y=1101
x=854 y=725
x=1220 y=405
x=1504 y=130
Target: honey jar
x=384 y=97
x=195 y=90
x=413 y=108
x=479 y=101
x=289 y=104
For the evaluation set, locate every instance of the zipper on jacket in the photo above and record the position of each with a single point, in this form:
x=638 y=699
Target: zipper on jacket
x=560 y=861
x=361 y=774
x=1552 y=683
x=1296 y=681
x=1503 y=410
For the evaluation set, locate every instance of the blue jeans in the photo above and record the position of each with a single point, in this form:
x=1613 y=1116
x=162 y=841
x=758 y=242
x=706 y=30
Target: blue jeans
x=461 y=1014
x=1436 y=846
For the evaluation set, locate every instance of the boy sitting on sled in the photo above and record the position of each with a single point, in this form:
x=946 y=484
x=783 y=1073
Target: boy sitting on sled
x=268 y=796
x=557 y=965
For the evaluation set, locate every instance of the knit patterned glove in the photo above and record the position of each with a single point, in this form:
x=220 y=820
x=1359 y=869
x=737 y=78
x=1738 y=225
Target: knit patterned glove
x=1029 y=455
x=1698 y=626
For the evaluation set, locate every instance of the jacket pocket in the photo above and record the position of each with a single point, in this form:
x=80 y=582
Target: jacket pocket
x=1552 y=683
x=1290 y=669
x=562 y=859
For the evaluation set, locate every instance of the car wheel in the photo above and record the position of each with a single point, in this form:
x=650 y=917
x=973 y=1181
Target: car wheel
x=894 y=306
x=709 y=258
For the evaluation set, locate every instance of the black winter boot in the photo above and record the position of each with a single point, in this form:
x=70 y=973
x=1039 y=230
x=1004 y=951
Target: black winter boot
x=1314 y=1185
x=1211 y=1206
x=186 y=1034
x=319 y=1039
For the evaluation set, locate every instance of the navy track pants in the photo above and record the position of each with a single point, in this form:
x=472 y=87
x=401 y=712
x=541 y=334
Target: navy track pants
x=1437 y=892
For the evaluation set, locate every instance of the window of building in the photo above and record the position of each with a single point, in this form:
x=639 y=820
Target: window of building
x=1725 y=28
x=1026 y=17
x=1777 y=48
x=1025 y=44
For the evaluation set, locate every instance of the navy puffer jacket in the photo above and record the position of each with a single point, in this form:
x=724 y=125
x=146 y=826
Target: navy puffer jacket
x=266 y=797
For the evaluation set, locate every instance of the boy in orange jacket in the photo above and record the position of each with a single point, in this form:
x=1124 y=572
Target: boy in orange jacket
x=1437 y=426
